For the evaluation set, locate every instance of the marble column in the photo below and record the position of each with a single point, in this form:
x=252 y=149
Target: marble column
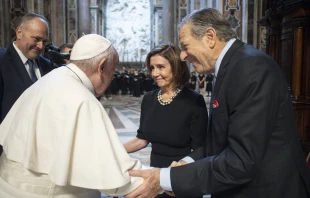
x=297 y=62
x=207 y=4
x=36 y=6
x=245 y=21
x=168 y=21
x=58 y=29
x=94 y=15
x=84 y=26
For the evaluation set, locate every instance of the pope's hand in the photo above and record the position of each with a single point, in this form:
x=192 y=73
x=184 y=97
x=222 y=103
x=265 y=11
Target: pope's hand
x=179 y=163
x=150 y=186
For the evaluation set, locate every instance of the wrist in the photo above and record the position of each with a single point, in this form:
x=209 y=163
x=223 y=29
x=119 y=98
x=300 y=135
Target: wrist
x=182 y=162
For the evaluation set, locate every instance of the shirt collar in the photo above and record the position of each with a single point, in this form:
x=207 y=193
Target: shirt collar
x=222 y=54
x=81 y=76
x=20 y=53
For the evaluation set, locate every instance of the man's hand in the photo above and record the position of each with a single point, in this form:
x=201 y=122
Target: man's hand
x=174 y=164
x=170 y=193
x=179 y=163
x=150 y=186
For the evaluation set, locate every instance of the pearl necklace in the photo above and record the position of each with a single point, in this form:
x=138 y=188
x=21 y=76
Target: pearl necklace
x=166 y=102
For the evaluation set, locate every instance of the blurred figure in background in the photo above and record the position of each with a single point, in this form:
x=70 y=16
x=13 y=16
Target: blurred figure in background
x=193 y=80
x=201 y=83
x=65 y=49
x=209 y=85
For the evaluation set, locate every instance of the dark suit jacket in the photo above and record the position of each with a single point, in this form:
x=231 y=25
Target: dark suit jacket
x=14 y=78
x=252 y=148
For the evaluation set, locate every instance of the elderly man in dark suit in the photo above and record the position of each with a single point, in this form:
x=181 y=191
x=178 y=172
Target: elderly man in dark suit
x=252 y=148
x=21 y=64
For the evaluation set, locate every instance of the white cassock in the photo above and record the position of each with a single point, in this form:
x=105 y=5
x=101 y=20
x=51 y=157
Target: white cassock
x=59 y=141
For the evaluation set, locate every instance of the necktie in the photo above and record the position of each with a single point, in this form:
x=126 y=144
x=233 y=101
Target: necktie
x=213 y=82
x=212 y=97
x=31 y=70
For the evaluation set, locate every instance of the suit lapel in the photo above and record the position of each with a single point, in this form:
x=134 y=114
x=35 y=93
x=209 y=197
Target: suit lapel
x=44 y=65
x=219 y=80
x=19 y=66
x=222 y=70
x=218 y=83
x=39 y=66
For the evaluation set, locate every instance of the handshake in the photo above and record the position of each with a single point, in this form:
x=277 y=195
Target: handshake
x=151 y=185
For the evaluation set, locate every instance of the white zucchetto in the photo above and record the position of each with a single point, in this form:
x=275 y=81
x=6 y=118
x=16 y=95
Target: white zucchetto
x=89 y=46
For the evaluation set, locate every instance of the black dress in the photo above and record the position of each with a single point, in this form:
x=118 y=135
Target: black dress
x=175 y=129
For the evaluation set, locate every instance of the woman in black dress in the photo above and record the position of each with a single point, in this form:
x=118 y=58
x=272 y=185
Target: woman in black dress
x=193 y=81
x=173 y=118
x=209 y=85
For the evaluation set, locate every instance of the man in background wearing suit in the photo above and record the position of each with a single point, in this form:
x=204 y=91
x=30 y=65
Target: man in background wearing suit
x=252 y=148
x=66 y=49
x=21 y=64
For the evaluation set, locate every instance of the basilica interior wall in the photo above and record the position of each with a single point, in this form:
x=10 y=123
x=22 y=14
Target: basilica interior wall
x=134 y=26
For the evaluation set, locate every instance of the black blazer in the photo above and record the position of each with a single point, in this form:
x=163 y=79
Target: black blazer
x=14 y=78
x=252 y=148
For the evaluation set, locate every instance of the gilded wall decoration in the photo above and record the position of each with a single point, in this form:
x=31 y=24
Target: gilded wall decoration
x=233 y=13
x=72 y=21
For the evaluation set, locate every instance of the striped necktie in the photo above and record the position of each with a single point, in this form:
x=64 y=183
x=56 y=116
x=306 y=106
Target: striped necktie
x=211 y=106
x=213 y=82
x=31 y=70
x=212 y=95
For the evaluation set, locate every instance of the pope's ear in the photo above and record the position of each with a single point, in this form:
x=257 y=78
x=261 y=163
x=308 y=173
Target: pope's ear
x=101 y=65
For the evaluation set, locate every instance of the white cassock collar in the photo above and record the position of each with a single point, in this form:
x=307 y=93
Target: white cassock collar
x=81 y=76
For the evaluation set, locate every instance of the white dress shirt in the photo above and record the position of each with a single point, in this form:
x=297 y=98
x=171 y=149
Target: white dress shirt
x=25 y=59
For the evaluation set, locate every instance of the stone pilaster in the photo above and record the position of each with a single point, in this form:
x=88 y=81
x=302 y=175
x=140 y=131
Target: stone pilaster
x=84 y=21
x=168 y=21
x=58 y=22
x=94 y=15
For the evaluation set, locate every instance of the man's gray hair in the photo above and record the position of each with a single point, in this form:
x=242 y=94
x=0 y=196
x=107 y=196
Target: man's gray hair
x=89 y=66
x=202 y=19
x=29 y=16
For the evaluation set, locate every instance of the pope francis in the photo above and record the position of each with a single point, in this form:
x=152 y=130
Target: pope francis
x=58 y=140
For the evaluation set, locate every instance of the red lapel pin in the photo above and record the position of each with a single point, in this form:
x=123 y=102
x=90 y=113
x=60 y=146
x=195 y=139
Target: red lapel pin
x=215 y=104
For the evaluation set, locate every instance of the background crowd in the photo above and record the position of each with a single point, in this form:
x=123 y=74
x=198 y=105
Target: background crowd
x=129 y=81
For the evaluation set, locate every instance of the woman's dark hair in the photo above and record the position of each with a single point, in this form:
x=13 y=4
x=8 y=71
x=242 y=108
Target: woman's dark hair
x=170 y=52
